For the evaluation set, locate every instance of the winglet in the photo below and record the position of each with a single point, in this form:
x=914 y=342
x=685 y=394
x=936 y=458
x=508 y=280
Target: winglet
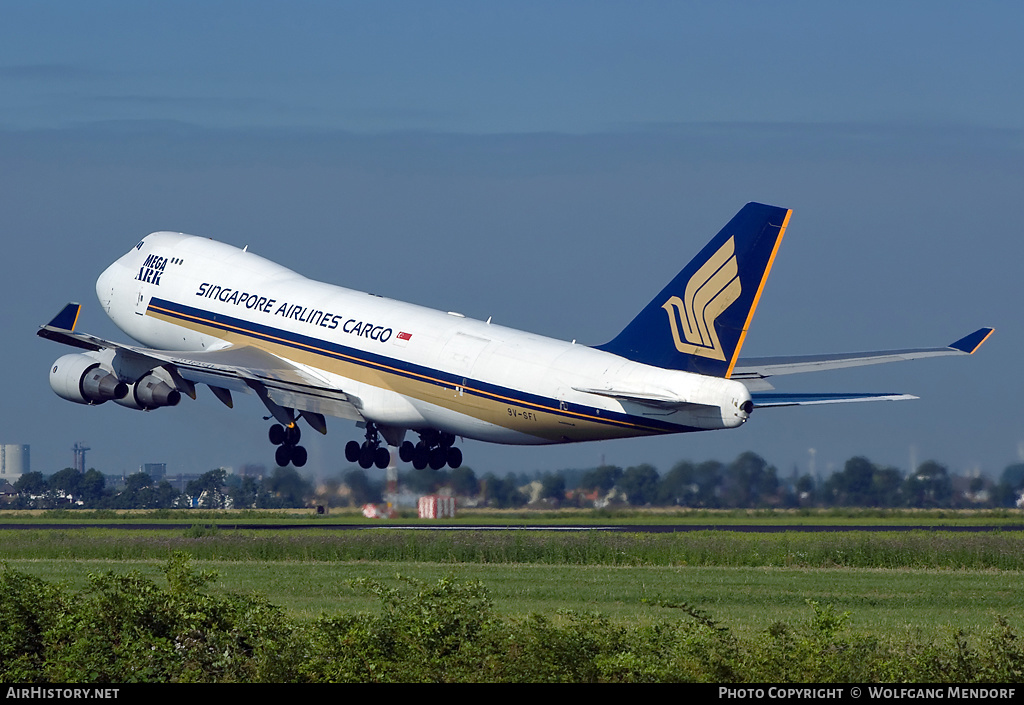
x=67 y=318
x=970 y=343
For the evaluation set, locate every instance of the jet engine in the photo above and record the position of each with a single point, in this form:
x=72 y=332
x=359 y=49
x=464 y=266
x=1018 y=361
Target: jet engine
x=80 y=378
x=151 y=391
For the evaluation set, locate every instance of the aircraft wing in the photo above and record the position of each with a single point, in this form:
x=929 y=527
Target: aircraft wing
x=755 y=370
x=238 y=368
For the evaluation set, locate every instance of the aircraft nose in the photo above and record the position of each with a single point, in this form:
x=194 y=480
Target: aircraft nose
x=105 y=285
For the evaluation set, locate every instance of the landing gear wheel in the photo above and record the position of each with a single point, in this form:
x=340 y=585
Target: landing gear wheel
x=352 y=451
x=299 y=456
x=283 y=455
x=438 y=458
x=366 y=454
x=420 y=456
x=382 y=458
x=405 y=451
x=454 y=458
x=292 y=434
x=276 y=434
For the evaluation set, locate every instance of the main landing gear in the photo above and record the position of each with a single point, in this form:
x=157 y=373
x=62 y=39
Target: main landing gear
x=286 y=438
x=371 y=452
x=435 y=449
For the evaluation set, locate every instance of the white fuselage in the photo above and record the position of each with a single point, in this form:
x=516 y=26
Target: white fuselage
x=409 y=367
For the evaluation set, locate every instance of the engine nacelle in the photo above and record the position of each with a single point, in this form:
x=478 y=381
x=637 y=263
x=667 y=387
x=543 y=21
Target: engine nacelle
x=80 y=378
x=151 y=392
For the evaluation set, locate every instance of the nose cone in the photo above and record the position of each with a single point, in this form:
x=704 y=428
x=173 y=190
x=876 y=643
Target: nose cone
x=106 y=284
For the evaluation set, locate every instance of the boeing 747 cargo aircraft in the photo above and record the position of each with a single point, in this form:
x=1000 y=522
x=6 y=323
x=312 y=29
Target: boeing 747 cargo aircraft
x=207 y=313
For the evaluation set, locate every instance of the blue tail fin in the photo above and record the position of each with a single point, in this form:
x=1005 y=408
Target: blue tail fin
x=698 y=322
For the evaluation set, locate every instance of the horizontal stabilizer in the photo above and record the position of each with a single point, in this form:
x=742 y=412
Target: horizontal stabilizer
x=649 y=398
x=762 y=400
x=752 y=370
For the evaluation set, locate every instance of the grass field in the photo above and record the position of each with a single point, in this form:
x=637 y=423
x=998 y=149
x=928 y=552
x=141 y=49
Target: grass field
x=845 y=516
x=748 y=600
x=920 y=582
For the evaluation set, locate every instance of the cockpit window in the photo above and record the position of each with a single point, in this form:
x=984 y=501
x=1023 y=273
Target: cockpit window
x=141 y=243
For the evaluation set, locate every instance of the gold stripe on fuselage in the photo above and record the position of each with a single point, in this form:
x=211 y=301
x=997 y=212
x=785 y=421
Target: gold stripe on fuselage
x=509 y=412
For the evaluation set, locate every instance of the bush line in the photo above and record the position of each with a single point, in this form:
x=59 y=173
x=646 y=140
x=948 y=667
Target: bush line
x=127 y=629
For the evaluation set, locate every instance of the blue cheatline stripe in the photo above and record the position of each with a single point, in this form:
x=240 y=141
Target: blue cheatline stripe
x=406 y=369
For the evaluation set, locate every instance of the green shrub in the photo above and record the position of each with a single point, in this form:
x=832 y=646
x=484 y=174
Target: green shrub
x=28 y=607
x=425 y=633
x=126 y=629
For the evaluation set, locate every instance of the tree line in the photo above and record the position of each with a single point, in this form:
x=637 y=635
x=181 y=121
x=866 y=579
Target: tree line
x=216 y=489
x=748 y=481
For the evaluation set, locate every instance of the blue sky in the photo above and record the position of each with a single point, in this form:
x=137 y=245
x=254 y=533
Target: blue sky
x=548 y=164
x=569 y=67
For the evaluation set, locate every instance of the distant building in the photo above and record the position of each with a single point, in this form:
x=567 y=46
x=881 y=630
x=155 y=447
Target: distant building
x=14 y=462
x=7 y=492
x=157 y=471
x=252 y=470
x=79 y=454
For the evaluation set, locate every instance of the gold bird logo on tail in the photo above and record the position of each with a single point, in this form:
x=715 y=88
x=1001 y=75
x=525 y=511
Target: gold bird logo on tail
x=711 y=290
